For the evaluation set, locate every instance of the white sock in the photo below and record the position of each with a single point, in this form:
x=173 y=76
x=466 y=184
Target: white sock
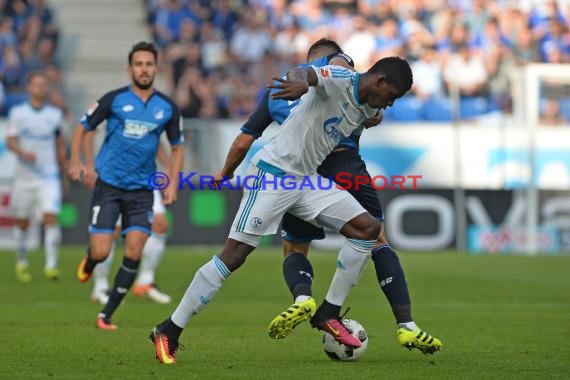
x=352 y=259
x=101 y=272
x=206 y=283
x=21 y=237
x=409 y=325
x=151 y=257
x=52 y=238
x=301 y=298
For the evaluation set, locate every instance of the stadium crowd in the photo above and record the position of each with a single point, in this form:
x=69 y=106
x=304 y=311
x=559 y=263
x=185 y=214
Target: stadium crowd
x=219 y=54
x=28 y=42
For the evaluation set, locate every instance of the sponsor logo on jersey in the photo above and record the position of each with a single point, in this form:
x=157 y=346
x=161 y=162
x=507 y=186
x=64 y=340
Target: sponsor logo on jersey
x=330 y=128
x=326 y=73
x=137 y=129
x=128 y=108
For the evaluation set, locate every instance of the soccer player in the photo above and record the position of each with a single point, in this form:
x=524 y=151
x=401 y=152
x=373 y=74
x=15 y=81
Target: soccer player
x=136 y=116
x=298 y=234
x=34 y=135
x=336 y=103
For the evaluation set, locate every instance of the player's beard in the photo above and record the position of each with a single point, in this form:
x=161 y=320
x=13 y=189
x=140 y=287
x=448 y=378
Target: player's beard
x=143 y=86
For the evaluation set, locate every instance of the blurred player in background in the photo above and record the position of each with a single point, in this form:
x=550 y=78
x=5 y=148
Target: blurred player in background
x=35 y=137
x=298 y=234
x=153 y=251
x=136 y=117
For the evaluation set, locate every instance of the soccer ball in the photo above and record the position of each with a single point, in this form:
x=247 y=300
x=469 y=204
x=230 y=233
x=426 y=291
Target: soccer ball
x=340 y=352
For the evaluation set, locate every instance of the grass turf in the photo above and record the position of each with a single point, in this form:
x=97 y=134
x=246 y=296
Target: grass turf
x=498 y=317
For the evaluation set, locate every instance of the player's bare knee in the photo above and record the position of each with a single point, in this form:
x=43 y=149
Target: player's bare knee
x=100 y=250
x=160 y=224
x=49 y=219
x=362 y=227
x=23 y=224
x=235 y=253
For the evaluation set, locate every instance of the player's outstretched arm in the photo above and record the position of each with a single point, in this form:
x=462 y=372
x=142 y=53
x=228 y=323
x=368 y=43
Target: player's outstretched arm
x=75 y=165
x=175 y=167
x=235 y=157
x=89 y=174
x=295 y=85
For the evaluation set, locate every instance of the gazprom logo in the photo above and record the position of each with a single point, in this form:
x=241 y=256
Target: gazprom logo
x=330 y=128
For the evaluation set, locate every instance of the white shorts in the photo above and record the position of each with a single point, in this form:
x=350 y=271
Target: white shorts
x=29 y=200
x=261 y=210
x=157 y=206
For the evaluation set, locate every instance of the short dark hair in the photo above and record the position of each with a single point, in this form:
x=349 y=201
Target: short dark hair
x=324 y=43
x=143 y=46
x=397 y=70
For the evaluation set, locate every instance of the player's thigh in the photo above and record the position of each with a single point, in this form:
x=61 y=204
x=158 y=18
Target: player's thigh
x=50 y=199
x=105 y=208
x=331 y=207
x=136 y=211
x=262 y=207
x=296 y=230
x=23 y=200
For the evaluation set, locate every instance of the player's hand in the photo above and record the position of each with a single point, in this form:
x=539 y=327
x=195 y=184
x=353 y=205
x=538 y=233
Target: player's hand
x=89 y=176
x=374 y=121
x=75 y=170
x=219 y=177
x=290 y=89
x=169 y=195
x=28 y=157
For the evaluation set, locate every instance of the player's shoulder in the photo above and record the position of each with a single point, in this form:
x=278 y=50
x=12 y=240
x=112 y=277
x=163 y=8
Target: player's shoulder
x=337 y=72
x=111 y=95
x=19 y=109
x=165 y=98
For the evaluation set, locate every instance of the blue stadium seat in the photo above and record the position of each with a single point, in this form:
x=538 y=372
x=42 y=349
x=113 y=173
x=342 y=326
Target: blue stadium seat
x=437 y=109
x=470 y=107
x=405 y=109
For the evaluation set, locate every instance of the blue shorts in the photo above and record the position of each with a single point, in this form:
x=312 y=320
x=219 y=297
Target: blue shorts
x=108 y=202
x=296 y=230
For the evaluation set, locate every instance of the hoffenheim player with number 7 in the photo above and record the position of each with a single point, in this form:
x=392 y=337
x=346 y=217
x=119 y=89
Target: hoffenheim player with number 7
x=136 y=117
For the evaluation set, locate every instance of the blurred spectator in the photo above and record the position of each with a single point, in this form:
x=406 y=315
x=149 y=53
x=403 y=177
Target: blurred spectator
x=428 y=81
x=251 y=41
x=466 y=70
x=360 y=44
x=234 y=45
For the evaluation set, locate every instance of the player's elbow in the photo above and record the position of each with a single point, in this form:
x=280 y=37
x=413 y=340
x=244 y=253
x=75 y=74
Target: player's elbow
x=243 y=142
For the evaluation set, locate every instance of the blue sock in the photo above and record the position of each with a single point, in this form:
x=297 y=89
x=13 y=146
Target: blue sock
x=393 y=282
x=298 y=274
x=123 y=282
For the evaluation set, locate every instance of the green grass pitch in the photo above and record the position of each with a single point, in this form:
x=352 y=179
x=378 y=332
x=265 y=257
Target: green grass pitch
x=499 y=317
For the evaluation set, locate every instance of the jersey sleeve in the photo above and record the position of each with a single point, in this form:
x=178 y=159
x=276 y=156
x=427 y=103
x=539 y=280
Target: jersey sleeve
x=175 y=127
x=260 y=119
x=98 y=112
x=333 y=79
